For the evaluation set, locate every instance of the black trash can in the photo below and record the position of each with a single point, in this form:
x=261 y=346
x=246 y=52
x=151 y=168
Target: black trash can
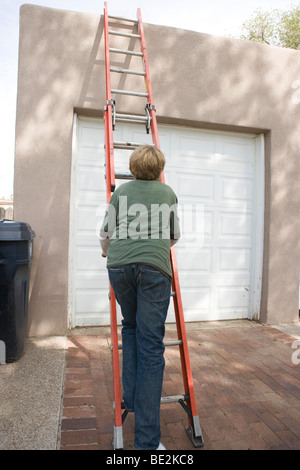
x=16 y=247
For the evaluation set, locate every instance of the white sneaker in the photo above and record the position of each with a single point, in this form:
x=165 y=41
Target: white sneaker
x=161 y=447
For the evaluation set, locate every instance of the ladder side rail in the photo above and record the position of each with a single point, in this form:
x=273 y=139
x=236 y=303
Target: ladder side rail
x=180 y=324
x=115 y=359
x=108 y=109
x=184 y=354
x=155 y=137
x=107 y=157
x=110 y=184
x=179 y=336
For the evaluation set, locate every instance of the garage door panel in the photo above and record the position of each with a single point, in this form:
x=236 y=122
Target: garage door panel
x=232 y=167
x=237 y=150
x=195 y=186
x=165 y=140
x=88 y=279
x=91 y=138
x=233 y=259
x=122 y=164
x=233 y=297
x=90 y=300
x=88 y=258
x=91 y=179
x=88 y=239
x=209 y=170
x=197 y=299
x=234 y=225
x=88 y=218
x=90 y=156
x=199 y=146
x=192 y=261
x=86 y=198
x=235 y=190
x=209 y=224
x=139 y=135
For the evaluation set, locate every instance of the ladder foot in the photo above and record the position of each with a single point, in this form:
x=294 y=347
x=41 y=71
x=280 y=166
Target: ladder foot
x=196 y=440
x=117 y=441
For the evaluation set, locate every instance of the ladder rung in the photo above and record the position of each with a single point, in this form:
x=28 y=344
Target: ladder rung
x=174 y=398
x=133 y=72
x=131 y=118
x=133 y=121
x=167 y=399
x=121 y=18
x=176 y=342
x=125 y=51
x=124 y=176
x=126 y=35
x=126 y=145
x=133 y=93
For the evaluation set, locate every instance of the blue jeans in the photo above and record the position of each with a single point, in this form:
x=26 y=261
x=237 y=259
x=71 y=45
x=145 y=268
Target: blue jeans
x=144 y=296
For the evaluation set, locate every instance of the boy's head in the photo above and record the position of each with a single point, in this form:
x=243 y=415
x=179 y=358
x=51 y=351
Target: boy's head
x=147 y=162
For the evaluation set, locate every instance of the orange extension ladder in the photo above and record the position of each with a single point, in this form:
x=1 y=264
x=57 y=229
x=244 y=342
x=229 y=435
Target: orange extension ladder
x=187 y=399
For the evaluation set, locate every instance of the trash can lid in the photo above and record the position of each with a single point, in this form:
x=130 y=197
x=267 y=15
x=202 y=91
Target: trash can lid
x=11 y=230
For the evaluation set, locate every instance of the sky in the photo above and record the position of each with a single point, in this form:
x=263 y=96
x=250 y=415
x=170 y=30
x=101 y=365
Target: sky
x=217 y=17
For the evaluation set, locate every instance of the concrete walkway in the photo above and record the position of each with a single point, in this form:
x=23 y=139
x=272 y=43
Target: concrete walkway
x=30 y=396
x=58 y=395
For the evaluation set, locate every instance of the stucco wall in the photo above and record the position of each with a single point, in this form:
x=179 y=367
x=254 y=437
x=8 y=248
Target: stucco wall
x=198 y=80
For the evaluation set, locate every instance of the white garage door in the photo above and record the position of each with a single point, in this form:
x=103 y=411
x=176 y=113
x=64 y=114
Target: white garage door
x=219 y=178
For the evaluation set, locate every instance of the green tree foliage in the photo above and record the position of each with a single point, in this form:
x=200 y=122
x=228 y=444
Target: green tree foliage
x=274 y=27
x=289 y=29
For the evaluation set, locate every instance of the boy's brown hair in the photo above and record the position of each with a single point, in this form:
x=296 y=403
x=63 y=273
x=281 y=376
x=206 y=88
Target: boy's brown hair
x=147 y=162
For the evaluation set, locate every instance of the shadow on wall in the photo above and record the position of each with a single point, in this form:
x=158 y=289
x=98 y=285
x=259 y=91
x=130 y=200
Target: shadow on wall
x=56 y=64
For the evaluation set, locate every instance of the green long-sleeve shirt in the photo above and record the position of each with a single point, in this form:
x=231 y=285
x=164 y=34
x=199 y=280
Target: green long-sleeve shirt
x=140 y=225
